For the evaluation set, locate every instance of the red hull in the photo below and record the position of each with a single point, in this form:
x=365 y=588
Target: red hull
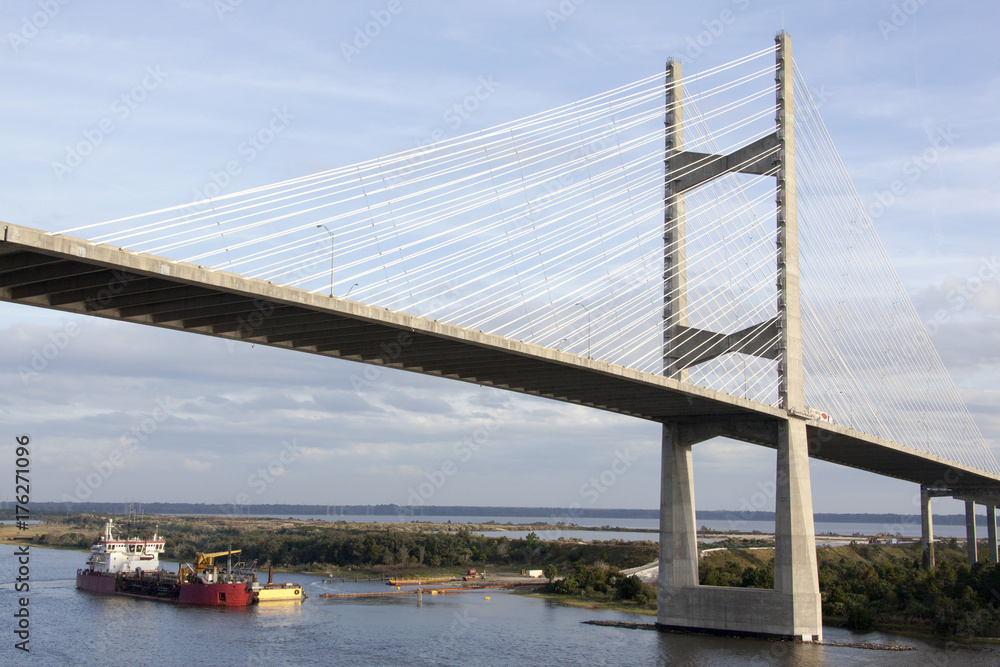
x=94 y=582
x=212 y=595
x=216 y=595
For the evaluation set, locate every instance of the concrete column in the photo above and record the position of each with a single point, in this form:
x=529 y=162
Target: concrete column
x=790 y=387
x=795 y=569
x=678 y=536
x=991 y=530
x=926 y=529
x=674 y=248
x=970 y=530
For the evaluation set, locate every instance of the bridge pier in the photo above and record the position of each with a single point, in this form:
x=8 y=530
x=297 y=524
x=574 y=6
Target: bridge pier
x=792 y=610
x=926 y=528
x=991 y=531
x=970 y=531
x=678 y=532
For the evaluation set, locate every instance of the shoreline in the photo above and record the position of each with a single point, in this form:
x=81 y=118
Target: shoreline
x=508 y=575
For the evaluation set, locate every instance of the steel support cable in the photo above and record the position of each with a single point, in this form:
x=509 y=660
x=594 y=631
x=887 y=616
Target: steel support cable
x=407 y=155
x=310 y=223
x=470 y=307
x=860 y=395
x=577 y=121
x=401 y=156
x=451 y=258
x=418 y=194
x=375 y=164
x=696 y=351
x=580 y=247
x=750 y=269
x=750 y=300
x=762 y=244
x=904 y=305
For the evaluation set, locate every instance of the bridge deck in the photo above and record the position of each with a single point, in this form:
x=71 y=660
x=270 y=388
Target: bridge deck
x=75 y=275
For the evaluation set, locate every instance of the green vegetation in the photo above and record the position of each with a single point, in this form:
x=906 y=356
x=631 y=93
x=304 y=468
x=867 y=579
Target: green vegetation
x=863 y=586
x=866 y=587
x=376 y=547
x=604 y=583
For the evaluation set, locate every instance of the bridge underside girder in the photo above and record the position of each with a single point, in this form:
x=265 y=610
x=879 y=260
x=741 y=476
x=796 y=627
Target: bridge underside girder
x=73 y=275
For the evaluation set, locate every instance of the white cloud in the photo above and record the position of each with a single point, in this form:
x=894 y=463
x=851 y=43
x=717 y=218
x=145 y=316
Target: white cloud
x=196 y=466
x=240 y=404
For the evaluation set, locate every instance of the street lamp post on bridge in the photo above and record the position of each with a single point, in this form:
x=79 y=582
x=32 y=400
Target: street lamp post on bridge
x=331 y=255
x=588 y=326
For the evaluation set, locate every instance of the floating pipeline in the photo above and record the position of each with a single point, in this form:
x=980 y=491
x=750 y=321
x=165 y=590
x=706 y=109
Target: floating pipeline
x=428 y=591
x=418 y=582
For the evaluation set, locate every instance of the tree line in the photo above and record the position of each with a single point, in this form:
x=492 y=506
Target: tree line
x=322 y=545
x=877 y=589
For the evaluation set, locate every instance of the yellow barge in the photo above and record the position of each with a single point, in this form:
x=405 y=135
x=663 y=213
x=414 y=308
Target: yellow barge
x=279 y=593
x=272 y=592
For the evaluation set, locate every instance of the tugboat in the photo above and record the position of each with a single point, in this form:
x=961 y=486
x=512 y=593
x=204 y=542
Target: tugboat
x=130 y=566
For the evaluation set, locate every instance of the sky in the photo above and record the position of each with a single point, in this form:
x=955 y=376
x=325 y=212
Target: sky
x=108 y=111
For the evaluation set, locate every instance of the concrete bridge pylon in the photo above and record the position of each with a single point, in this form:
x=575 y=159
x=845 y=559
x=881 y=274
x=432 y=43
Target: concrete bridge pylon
x=793 y=608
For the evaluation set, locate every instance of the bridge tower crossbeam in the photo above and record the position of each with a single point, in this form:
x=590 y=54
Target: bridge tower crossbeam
x=793 y=608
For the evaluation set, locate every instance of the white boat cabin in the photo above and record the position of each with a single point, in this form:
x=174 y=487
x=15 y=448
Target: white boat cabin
x=114 y=553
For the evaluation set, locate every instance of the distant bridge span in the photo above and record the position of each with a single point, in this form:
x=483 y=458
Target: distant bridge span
x=74 y=275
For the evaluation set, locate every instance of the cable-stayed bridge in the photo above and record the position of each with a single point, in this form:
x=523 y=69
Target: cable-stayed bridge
x=686 y=249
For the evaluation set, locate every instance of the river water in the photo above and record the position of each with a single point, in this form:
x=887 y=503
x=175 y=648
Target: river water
x=906 y=529
x=69 y=627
